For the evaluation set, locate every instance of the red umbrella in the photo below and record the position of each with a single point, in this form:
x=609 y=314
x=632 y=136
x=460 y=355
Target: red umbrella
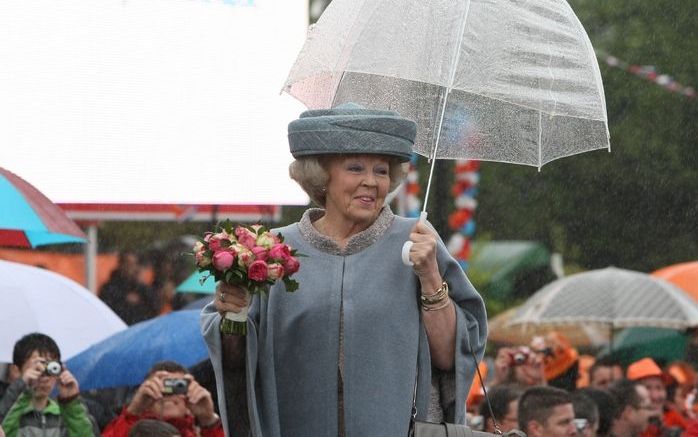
x=29 y=218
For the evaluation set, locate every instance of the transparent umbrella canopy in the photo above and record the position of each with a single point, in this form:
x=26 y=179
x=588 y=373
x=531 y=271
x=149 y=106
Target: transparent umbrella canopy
x=616 y=298
x=495 y=80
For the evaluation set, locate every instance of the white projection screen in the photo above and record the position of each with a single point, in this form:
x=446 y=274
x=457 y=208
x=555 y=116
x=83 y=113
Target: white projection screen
x=150 y=101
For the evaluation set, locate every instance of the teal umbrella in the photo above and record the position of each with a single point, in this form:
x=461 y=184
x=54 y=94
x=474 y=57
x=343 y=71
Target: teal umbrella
x=30 y=219
x=632 y=344
x=193 y=284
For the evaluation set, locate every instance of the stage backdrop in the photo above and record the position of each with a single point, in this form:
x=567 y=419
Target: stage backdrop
x=150 y=101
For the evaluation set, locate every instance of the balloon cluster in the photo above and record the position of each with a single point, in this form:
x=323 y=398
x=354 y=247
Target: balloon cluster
x=461 y=221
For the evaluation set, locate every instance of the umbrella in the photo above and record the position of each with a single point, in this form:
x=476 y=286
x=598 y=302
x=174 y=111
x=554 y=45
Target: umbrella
x=29 y=218
x=500 y=267
x=38 y=300
x=632 y=344
x=683 y=275
x=582 y=336
x=198 y=303
x=125 y=358
x=193 y=284
x=495 y=80
x=613 y=297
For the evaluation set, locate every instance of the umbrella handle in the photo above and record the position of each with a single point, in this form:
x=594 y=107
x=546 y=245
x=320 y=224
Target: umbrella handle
x=408 y=244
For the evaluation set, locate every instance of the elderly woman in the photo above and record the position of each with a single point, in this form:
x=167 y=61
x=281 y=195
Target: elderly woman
x=342 y=354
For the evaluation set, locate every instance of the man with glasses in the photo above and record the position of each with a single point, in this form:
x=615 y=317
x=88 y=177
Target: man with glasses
x=633 y=408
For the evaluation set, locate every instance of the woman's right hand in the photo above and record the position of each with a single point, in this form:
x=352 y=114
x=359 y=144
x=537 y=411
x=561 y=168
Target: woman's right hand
x=230 y=298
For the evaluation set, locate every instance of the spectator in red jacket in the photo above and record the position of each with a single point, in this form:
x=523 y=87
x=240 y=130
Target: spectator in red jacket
x=171 y=394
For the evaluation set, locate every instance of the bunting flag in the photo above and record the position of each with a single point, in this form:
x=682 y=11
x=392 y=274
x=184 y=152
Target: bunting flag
x=648 y=72
x=462 y=220
x=413 y=204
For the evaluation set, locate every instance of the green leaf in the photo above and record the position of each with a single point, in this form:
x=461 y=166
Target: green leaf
x=291 y=285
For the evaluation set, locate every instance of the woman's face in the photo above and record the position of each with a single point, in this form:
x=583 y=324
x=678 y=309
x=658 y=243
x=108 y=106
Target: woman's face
x=357 y=187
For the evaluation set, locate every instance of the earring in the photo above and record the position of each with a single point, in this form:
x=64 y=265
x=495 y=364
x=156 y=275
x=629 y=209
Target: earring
x=323 y=189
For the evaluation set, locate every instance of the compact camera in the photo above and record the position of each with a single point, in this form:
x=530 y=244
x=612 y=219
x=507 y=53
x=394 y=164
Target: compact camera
x=580 y=424
x=175 y=386
x=53 y=368
x=519 y=356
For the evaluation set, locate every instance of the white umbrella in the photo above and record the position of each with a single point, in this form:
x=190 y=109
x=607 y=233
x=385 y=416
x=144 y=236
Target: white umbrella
x=581 y=336
x=613 y=297
x=38 y=300
x=496 y=80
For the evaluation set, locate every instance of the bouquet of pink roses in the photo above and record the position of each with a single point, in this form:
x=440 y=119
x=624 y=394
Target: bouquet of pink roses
x=250 y=257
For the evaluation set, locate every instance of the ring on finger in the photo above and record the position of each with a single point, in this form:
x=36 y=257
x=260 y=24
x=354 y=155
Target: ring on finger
x=223 y=297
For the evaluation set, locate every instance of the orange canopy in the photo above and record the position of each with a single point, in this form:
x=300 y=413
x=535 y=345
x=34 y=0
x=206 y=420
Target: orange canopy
x=683 y=275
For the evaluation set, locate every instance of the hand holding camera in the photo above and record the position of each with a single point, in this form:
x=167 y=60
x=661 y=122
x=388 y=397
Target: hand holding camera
x=149 y=392
x=67 y=384
x=521 y=365
x=41 y=367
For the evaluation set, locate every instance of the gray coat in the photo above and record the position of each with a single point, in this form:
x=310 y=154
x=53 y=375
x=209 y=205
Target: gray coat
x=293 y=341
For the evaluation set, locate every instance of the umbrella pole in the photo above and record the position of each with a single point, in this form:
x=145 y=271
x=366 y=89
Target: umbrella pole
x=454 y=66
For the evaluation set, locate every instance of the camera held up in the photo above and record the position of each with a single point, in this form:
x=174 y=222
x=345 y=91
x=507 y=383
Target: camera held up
x=53 y=368
x=175 y=386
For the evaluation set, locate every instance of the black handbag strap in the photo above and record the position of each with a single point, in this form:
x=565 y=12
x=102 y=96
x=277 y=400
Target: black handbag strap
x=497 y=431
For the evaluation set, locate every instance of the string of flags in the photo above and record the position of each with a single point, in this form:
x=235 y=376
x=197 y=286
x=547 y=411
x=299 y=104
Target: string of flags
x=462 y=220
x=464 y=191
x=413 y=204
x=648 y=72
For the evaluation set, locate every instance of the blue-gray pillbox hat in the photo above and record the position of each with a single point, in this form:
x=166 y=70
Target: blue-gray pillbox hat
x=351 y=129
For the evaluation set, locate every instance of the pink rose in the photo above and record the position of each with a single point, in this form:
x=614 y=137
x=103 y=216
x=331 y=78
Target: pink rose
x=198 y=247
x=291 y=265
x=260 y=253
x=202 y=260
x=245 y=256
x=214 y=244
x=275 y=271
x=207 y=236
x=219 y=241
x=280 y=252
x=223 y=259
x=265 y=240
x=257 y=271
x=246 y=237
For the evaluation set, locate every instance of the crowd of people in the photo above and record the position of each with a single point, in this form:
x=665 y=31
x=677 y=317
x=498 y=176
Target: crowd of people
x=135 y=299
x=542 y=390
x=537 y=390
x=170 y=402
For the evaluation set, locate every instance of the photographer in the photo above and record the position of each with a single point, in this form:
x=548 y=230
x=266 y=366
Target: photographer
x=170 y=394
x=31 y=410
x=518 y=365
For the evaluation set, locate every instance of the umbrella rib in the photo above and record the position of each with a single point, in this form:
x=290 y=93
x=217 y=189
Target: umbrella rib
x=454 y=65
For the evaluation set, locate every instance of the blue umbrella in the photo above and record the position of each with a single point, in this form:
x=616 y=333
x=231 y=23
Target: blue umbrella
x=125 y=358
x=198 y=304
x=193 y=284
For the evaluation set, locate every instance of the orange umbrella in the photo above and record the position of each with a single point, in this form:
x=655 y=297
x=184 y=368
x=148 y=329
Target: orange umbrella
x=683 y=275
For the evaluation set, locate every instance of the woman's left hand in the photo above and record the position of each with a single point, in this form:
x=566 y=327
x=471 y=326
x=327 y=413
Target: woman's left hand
x=423 y=255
